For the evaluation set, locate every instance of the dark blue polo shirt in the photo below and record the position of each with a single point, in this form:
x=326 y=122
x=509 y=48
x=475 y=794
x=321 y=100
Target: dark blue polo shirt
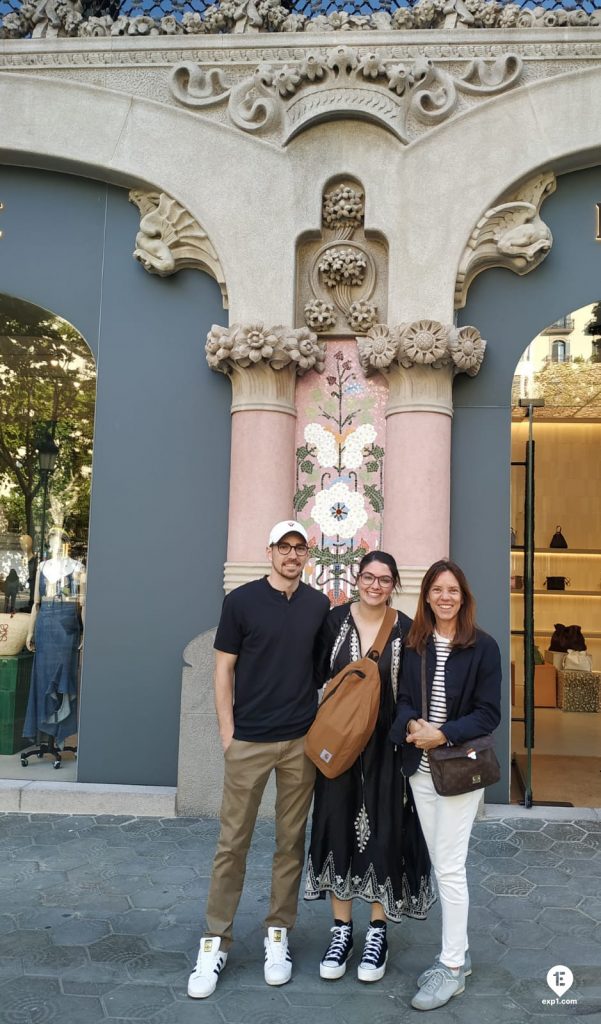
x=275 y=685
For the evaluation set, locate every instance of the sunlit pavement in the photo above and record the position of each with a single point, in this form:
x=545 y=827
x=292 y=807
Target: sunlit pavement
x=100 y=919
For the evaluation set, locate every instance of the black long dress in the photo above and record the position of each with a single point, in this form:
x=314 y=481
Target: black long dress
x=366 y=840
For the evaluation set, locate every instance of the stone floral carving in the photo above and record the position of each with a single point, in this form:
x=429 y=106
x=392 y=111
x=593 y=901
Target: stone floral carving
x=287 y=98
x=362 y=315
x=247 y=345
x=252 y=16
x=342 y=267
x=170 y=238
x=467 y=349
x=424 y=343
x=45 y=19
x=378 y=349
x=511 y=234
x=343 y=209
x=319 y=315
x=340 y=271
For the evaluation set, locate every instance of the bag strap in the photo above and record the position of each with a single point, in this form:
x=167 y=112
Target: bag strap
x=424 y=690
x=383 y=634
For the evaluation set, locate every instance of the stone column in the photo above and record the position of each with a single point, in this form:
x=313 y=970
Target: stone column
x=262 y=364
x=419 y=361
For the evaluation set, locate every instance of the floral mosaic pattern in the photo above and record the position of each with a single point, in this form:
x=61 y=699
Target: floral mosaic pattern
x=339 y=469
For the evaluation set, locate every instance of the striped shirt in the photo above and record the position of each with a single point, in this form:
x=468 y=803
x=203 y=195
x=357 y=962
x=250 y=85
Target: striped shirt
x=437 y=710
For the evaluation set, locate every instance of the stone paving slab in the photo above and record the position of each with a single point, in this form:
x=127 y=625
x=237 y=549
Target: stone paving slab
x=100 y=918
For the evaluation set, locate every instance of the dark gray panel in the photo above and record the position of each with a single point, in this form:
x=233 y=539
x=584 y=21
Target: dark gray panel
x=161 y=459
x=52 y=247
x=509 y=311
x=159 y=511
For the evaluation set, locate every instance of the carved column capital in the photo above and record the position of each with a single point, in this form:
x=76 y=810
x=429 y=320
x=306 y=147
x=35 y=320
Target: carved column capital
x=420 y=361
x=263 y=363
x=170 y=238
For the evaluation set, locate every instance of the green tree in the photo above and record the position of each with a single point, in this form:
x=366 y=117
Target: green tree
x=47 y=388
x=593 y=328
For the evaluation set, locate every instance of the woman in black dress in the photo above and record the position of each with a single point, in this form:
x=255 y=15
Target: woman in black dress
x=366 y=841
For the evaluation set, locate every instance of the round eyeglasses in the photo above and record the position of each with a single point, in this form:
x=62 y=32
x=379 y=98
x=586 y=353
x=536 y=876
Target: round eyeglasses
x=285 y=548
x=368 y=579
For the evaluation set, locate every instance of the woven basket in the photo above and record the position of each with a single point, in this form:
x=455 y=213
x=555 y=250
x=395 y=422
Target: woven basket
x=13 y=632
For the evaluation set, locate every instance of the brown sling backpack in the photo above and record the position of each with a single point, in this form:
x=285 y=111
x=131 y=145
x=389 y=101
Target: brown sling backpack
x=347 y=715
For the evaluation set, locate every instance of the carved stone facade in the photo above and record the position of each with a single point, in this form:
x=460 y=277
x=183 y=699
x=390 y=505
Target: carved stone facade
x=420 y=360
x=263 y=362
x=170 y=239
x=54 y=18
x=510 y=235
x=343 y=274
x=282 y=100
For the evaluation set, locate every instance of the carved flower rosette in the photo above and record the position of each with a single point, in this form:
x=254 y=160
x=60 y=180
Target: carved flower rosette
x=378 y=349
x=467 y=349
x=424 y=342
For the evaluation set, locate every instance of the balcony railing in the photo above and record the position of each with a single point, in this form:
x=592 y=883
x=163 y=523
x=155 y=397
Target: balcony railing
x=428 y=13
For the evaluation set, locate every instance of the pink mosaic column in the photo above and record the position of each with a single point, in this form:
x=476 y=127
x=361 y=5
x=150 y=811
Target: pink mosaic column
x=419 y=361
x=262 y=364
x=417 y=485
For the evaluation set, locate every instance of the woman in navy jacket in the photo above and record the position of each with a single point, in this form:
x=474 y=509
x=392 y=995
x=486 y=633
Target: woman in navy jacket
x=463 y=683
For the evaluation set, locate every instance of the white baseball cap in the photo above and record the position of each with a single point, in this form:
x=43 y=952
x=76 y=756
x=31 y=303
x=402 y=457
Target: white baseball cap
x=286 y=526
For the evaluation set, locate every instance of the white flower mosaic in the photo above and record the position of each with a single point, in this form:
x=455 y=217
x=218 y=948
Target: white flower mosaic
x=357 y=440
x=324 y=442
x=338 y=511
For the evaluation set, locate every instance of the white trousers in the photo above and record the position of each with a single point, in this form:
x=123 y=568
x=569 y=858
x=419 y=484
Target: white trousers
x=446 y=822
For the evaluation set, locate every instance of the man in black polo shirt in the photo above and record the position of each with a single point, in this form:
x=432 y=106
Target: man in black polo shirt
x=266 y=699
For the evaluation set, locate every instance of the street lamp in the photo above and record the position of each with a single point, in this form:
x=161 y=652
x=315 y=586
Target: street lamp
x=47 y=455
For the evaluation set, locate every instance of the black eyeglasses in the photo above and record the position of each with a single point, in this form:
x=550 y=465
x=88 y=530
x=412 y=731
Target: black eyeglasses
x=285 y=548
x=368 y=579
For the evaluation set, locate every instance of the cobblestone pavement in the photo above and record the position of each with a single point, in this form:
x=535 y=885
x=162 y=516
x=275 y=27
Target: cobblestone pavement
x=100 y=920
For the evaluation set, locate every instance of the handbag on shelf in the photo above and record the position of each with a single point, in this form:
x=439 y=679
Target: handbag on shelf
x=567 y=638
x=558 y=540
x=464 y=767
x=577 y=661
x=557 y=582
x=347 y=715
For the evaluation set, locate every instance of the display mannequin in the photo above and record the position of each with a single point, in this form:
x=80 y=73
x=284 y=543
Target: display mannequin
x=55 y=637
x=32 y=565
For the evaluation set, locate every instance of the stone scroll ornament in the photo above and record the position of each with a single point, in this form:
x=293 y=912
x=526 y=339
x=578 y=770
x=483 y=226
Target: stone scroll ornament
x=511 y=234
x=425 y=343
x=282 y=100
x=170 y=238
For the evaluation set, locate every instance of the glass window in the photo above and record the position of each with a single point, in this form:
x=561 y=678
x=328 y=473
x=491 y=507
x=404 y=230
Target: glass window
x=47 y=397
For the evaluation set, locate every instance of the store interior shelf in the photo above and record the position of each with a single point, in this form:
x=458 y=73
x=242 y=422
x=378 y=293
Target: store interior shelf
x=559 y=551
x=589 y=634
x=559 y=593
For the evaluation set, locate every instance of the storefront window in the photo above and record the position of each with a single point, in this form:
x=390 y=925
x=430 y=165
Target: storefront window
x=567 y=561
x=47 y=396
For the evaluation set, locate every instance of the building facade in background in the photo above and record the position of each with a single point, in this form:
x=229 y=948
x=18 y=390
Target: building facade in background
x=308 y=250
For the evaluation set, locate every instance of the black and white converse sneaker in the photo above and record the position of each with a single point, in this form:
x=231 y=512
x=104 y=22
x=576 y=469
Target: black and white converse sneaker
x=375 y=953
x=333 y=962
x=210 y=963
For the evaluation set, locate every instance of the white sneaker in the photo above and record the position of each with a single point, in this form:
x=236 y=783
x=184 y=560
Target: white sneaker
x=211 y=961
x=278 y=962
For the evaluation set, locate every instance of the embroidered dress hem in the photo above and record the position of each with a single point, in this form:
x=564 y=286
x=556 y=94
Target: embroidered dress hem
x=368 y=889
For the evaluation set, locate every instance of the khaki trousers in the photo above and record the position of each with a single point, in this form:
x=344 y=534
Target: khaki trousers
x=247 y=769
